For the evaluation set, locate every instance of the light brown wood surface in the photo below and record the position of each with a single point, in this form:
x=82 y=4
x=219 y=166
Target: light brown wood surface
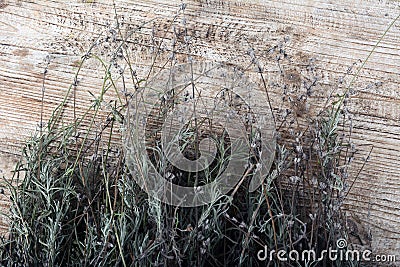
x=334 y=34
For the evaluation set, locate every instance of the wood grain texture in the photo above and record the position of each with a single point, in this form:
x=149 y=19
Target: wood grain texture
x=333 y=34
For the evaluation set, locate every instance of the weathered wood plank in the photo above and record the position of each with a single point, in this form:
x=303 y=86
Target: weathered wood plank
x=333 y=34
